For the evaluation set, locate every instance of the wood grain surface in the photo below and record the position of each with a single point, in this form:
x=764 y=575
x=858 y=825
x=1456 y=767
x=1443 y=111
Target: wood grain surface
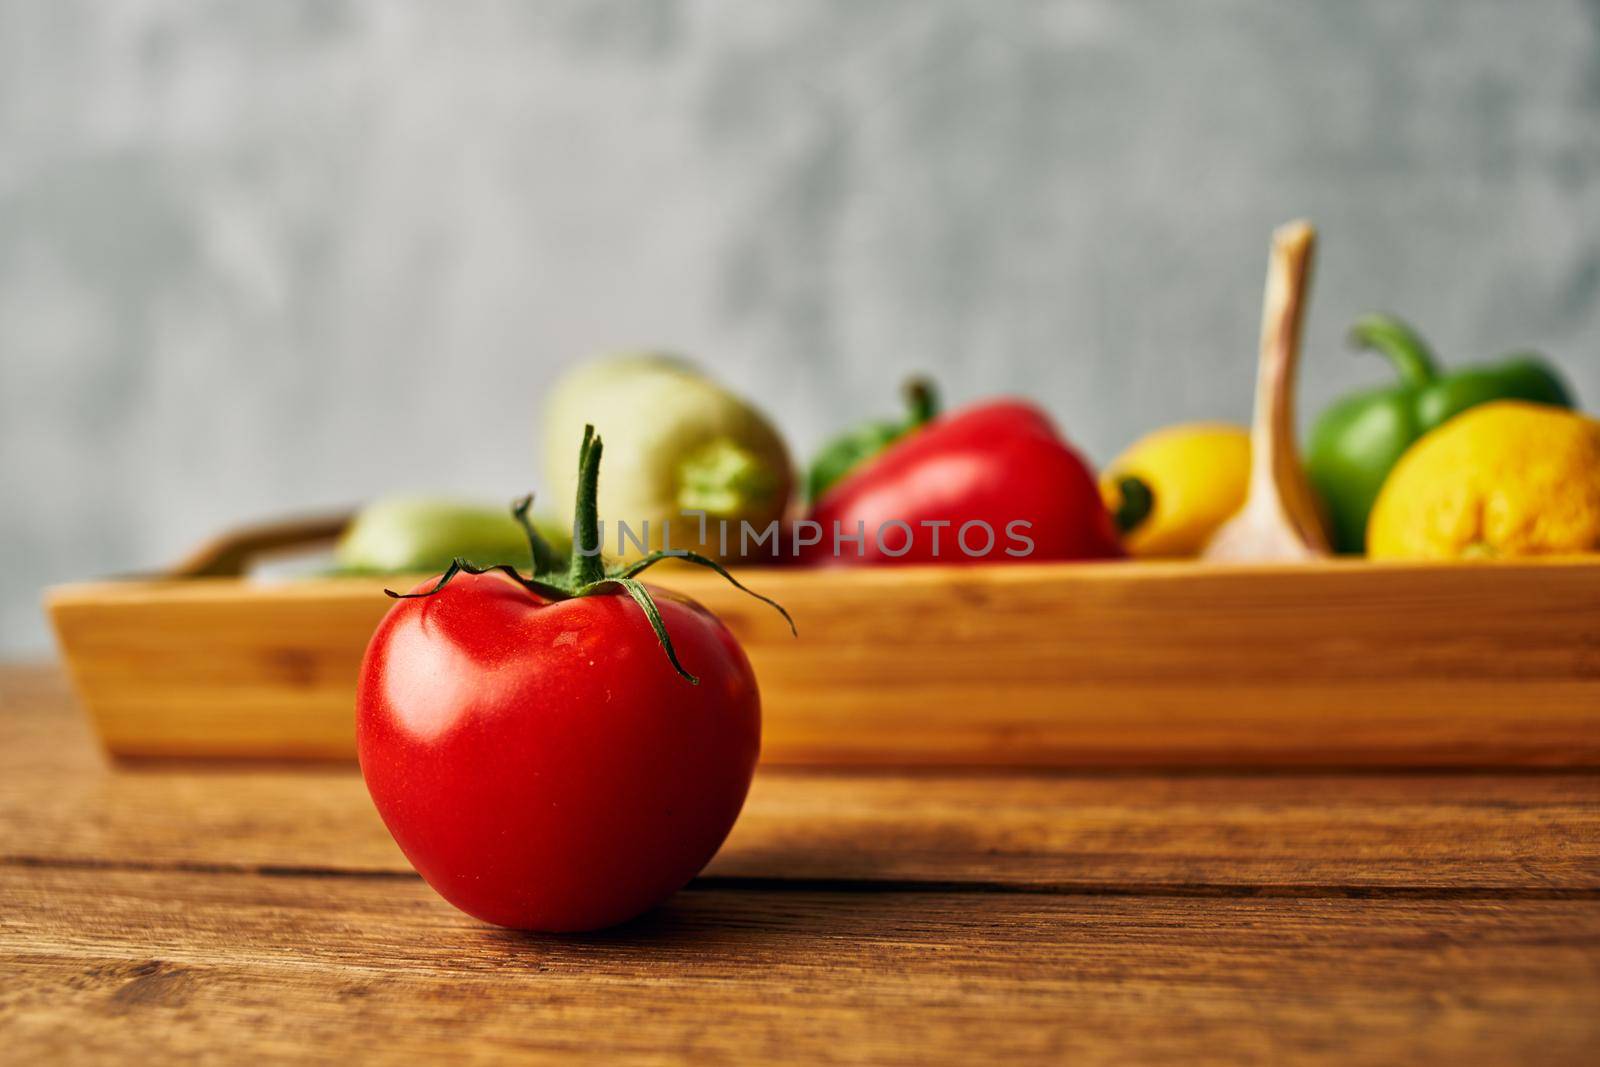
x=1337 y=663
x=205 y=912
x=345 y=968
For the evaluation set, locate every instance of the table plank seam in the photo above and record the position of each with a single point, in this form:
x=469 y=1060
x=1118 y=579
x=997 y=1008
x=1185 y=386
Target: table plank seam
x=758 y=884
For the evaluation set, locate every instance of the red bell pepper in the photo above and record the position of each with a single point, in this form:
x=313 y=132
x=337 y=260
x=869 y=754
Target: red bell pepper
x=994 y=482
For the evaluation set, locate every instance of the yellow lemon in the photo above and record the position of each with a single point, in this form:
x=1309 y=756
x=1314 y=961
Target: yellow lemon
x=1197 y=474
x=1501 y=479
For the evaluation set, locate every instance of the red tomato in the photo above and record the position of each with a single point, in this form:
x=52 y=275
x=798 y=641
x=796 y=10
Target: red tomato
x=540 y=762
x=1000 y=470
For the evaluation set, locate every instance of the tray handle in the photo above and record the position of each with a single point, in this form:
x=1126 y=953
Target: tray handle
x=228 y=555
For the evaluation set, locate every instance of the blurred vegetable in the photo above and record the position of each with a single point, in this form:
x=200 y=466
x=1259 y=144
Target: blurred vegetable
x=845 y=452
x=1279 y=521
x=1507 y=478
x=991 y=482
x=415 y=535
x=1172 y=488
x=1359 y=439
x=678 y=442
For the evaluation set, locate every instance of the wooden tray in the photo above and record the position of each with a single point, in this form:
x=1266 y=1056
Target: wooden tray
x=1334 y=663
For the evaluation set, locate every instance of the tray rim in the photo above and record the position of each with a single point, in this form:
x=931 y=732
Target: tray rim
x=90 y=591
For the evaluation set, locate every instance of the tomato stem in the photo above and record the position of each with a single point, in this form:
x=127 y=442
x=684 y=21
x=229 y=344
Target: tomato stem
x=587 y=575
x=587 y=565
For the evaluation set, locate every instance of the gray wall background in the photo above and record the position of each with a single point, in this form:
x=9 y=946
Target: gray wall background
x=258 y=257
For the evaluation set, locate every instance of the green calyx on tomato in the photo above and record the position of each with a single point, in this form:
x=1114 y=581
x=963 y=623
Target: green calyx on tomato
x=849 y=450
x=587 y=574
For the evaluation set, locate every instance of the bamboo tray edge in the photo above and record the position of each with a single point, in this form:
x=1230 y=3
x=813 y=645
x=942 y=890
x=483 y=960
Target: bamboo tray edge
x=1044 y=665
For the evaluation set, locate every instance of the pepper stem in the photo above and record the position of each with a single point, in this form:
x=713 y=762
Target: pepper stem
x=1135 y=502
x=1399 y=344
x=922 y=401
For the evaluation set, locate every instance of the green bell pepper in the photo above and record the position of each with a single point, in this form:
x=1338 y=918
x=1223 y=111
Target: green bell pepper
x=1356 y=442
x=849 y=450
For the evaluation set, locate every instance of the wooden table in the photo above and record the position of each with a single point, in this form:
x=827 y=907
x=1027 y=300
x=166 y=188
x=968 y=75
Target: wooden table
x=224 y=912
